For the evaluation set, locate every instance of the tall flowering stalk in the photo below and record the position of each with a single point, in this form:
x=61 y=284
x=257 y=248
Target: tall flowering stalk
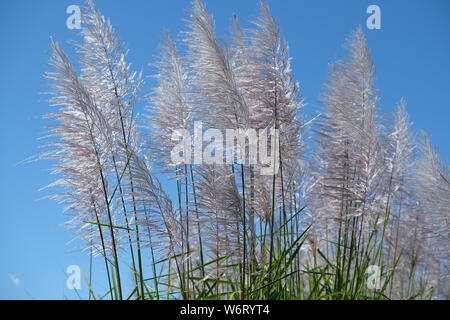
x=171 y=111
x=350 y=166
x=433 y=193
x=220 y=100
x=81 y=146
x=115 y=88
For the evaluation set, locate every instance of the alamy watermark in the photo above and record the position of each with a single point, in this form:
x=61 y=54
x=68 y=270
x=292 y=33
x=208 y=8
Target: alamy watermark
x=374 y=20
x=374 y=277
x=73 y=281
x=74 y=20
x=214 y=147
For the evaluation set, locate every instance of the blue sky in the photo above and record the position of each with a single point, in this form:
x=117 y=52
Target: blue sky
x=411 y=54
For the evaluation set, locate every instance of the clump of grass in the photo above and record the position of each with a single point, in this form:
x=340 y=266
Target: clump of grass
x=354 y=198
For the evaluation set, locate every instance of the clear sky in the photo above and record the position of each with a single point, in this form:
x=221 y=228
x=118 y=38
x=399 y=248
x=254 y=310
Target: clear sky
x=411 y=52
